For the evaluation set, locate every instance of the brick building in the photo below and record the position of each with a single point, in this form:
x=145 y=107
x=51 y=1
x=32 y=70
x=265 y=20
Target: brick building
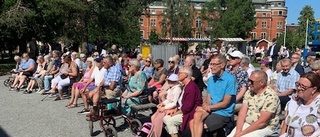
x=153 y=16
x=271 y=19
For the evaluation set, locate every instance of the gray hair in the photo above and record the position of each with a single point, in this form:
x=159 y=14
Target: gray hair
x=47 y=58
x=245 y=61
x=17 y=57
x=221 y=58
x=187 y=70
x=192 y=59
x=285 y=61
x=40 y=58
x=261 y=74
x=110 y=60
x=135 y=63
x=315 y=64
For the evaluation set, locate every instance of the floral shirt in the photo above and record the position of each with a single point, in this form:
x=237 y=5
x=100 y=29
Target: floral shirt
x=303 y=120
x=241 y=76
x=265 y=102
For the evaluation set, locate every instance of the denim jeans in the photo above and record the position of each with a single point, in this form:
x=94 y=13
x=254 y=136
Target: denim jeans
x=47 y=80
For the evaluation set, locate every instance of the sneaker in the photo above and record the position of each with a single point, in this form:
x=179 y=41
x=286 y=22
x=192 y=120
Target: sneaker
x=84 y=111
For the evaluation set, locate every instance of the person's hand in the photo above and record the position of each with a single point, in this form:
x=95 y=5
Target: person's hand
x=65 y=73
x=170 y=112
x=161 y=109
x=206 y=107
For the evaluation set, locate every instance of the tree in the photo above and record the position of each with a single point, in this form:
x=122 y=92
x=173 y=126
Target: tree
x=153 y=38
x=229 y=18
x=178 y=17
x=306 y=13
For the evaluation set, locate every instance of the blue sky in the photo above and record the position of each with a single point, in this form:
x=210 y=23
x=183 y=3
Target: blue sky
x=295 y=6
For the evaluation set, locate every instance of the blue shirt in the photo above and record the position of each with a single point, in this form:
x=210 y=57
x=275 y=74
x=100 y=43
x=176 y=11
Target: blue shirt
x=57 y=63
x=26 y=64
x=287 y=81
x=220 y=87
x=112 y=74
x=148 y=71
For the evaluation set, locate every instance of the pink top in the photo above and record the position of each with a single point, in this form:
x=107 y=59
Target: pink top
x=87 y=75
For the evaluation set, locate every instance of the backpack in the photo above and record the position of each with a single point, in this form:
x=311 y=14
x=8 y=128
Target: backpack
x=145 y=129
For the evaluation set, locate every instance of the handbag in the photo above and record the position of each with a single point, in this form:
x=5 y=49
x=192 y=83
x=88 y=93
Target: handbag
x=63 y=76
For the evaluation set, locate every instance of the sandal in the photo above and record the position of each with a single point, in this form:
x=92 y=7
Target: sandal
x=70 y=103
x=72 y=106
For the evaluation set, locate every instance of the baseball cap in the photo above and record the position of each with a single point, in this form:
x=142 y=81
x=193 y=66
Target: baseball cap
x=173 y=77
x=311 y=53
x=99 y=59
x=236 y=54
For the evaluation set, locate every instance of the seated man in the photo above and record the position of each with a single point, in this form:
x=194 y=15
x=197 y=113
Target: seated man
x=97 y=77
x=219 y=103
x=53 y=71
x=259 y=113
x=28 y=68
x=111 y=84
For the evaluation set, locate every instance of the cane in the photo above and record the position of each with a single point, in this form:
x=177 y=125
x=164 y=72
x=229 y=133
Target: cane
x=45 y=97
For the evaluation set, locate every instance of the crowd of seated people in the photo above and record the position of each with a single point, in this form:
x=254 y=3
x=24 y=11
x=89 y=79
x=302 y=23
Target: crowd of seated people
x=186 y=104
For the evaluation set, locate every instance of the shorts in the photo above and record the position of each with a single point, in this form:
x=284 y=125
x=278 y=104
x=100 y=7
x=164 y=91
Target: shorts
x=215 y=121
x=112 y=93
x=27 y=73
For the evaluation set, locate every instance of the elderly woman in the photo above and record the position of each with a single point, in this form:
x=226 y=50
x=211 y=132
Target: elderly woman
x=158 y=78
x=46 y=68
x=315 y=67
x=67 y=74
x=148 y=68
x=136 y=86
x=302 y=112
x=173 y=66
x=76 y=87
x=39 y=72
x=173 y=93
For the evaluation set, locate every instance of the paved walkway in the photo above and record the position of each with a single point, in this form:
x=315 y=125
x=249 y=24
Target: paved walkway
x=25 y=115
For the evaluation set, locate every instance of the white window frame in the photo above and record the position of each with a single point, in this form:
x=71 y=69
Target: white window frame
x=279 y=25
x=153 y=12
x=263 y=35
x=263 y=24
x=253 y=35
x=141 y=21
x=198 y=34
x=278 y=34
x=198 y=23
x=153 y=22
x=264 y=14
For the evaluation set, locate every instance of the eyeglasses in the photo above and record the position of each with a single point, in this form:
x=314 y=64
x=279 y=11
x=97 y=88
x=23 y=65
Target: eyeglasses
x=214 y=64
x=171 y=62
x=302 y=87
x=250 y=81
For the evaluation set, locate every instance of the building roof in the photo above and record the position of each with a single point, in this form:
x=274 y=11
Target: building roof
x=231 y=39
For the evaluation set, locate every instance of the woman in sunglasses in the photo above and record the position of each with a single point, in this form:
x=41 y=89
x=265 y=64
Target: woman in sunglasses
x=303 y=112
x=148 y=68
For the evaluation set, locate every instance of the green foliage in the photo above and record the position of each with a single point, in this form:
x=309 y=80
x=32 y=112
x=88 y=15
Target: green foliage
x=115 y=21
x=179 y=17
x=153 y=38
x=306 y=13
x=229 y=18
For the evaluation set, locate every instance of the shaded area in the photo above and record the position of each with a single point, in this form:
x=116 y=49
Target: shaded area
x=3 y=133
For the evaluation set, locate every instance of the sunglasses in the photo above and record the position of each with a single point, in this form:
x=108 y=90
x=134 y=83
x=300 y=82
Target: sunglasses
x=171 y=62
x=250 y=81
x=233 y=58
x=148 y=61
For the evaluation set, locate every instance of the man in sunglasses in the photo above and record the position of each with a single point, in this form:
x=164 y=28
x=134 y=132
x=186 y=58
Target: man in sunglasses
x=241 y=76
x=259 y=114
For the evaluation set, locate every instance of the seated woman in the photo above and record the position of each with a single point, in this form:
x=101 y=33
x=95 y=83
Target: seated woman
x=67 y=74
x=148 y=68
x=158 y=78
x=37 y=74
x=302 y=112
x=173 y=93
x=28 y=68
x=76 y=87
x=46 y=68
x=137 y=85
x=173 y=69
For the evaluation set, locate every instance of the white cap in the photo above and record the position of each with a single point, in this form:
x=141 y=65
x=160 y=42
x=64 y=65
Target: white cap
x=236 y=54
x=173 y=77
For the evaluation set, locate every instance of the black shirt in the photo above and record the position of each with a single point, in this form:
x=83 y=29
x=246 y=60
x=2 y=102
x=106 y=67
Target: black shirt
x=198 y=79
x=206 y=64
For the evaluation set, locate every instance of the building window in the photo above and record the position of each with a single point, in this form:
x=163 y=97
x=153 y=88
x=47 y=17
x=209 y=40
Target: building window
x=263 y=24
x=264 y=14
x=263 y=35
x=279 y=25
x=198 y=34
x=153 y=22
x=278 y=34
x=141 y=34
x=253 y=35
x=141 y=22
x=198 y=23
x=153 y=12
x=280 y=12
x=279 y=4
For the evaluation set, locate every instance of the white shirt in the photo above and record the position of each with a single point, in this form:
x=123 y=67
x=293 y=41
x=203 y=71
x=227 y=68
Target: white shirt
x=249 y=71
x=252 y=67
x=98 y=75
x=269 y=74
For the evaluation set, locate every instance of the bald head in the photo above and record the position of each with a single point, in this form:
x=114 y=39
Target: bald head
x=261 y=75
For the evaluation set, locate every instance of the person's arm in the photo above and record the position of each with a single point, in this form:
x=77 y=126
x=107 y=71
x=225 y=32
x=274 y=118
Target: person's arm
x=241 y=117
x=284 y=125
x=73 y=70
x=244 y=83
x=241 y=93
x=161 y=80
x=286 y=92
